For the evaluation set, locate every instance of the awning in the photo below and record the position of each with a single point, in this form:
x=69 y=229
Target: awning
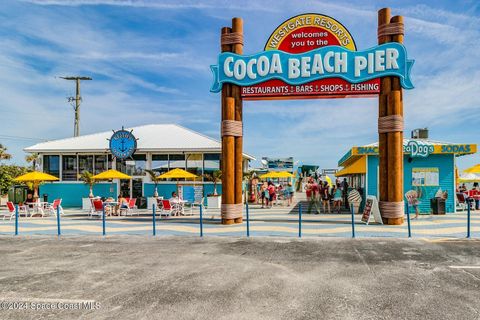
x=357 y=167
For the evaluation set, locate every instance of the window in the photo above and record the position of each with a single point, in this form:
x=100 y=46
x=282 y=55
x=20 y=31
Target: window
x=211 y=163
x=160 y=163
x=51 y=165
x=101 y=163
x=69 y=168
x=177 y=161
x=195 y=163
x=135 y=166
x=85 y=163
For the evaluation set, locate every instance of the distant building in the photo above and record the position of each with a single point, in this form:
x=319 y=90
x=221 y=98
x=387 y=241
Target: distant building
x=160 y=147
x=278 y=164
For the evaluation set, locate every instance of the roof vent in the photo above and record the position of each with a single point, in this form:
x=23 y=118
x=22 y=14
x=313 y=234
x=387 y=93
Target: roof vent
x=420 y=133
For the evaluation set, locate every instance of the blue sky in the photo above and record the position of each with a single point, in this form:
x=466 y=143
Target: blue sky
x=150 y=63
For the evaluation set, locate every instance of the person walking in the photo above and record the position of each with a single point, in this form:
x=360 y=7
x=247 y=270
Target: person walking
x=289 y=191
x=271 y=193
x=314 y=193
x=337 y=197
x=345 y=193
x=325 y=197
x=263 y=192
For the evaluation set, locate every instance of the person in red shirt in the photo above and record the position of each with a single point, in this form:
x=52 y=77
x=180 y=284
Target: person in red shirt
x=271 y=193
x=314 y=193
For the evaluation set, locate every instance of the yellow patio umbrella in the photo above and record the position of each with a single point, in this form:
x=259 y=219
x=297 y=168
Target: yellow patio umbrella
x=271 y=175
x=474 y=169
x=277 y=175
x=35 y=177
x=177 y=173
x=111 y=174
x=286 y=174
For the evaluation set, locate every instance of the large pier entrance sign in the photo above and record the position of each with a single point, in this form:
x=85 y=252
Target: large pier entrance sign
x=315 y=56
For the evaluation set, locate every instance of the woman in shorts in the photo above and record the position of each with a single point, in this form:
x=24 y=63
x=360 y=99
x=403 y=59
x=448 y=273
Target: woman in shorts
x=263 y=187
x=289 y=191
x=337 y=197
x=325 y=197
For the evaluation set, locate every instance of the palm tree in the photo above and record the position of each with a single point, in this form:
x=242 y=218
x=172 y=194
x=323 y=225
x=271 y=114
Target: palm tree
x=154 y=177
x=87 y=178
x=3 y=153
x=33 y=158
x=215 y=177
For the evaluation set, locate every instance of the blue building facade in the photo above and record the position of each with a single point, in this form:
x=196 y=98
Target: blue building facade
x=428 y=169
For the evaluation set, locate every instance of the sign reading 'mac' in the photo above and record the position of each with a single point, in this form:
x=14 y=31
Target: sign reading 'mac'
x=312 y=56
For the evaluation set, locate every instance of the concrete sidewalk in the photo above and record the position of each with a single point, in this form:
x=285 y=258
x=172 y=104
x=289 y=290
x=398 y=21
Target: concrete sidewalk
x=279 y=221
x=133 y=277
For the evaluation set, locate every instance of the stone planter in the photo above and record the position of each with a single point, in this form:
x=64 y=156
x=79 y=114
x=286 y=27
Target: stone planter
x=3 y=200
x=214 y=202
x=86 y=204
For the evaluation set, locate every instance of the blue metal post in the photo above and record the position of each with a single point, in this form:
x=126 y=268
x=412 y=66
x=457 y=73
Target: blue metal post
x=408 y=222
x=103 y=220
x=16 y=220
x=58 y=221
x=201 y=220
x=353 y=221
x=248 y=220
x=468 y=218
x=154 y=226
x=299 y=219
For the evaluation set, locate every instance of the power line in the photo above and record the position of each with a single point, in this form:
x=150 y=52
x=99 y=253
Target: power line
x=7 y=137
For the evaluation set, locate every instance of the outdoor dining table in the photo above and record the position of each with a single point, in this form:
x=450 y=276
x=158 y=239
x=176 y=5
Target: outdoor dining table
x=178 y=206
x=36 y=208
x=111 y=204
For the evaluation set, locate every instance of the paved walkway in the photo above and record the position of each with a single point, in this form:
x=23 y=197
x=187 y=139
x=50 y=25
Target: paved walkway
x=139 y=277
x=279 y=221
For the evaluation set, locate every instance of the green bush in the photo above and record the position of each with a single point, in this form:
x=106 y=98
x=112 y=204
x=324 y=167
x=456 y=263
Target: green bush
x=7 y=174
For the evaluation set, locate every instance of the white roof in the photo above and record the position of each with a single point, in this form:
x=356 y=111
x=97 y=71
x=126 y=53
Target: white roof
x=152 y=137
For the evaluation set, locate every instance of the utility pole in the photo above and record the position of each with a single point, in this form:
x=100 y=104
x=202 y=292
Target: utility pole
x=76 y=99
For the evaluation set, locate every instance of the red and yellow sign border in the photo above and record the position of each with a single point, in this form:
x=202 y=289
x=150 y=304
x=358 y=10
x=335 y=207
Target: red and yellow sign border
x=315 y=20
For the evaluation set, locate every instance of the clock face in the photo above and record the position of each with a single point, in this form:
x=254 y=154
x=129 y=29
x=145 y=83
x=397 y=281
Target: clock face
x=123 y=144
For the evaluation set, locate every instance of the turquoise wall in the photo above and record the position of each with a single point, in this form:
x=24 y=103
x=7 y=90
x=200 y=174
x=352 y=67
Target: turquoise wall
x=445 y=164
x=72 y=193
x=165 y=190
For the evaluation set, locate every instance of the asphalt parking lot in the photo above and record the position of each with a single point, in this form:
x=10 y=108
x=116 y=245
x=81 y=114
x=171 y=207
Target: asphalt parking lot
x=135 y=277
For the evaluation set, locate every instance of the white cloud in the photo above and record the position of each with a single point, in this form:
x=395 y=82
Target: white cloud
x=162 y=74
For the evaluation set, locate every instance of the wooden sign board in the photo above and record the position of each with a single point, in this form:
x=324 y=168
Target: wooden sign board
x=371 y=208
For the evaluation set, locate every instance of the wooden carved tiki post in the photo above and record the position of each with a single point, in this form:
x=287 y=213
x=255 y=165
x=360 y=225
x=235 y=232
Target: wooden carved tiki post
x=390 y=128
x=232 y=41
x=237 y=27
